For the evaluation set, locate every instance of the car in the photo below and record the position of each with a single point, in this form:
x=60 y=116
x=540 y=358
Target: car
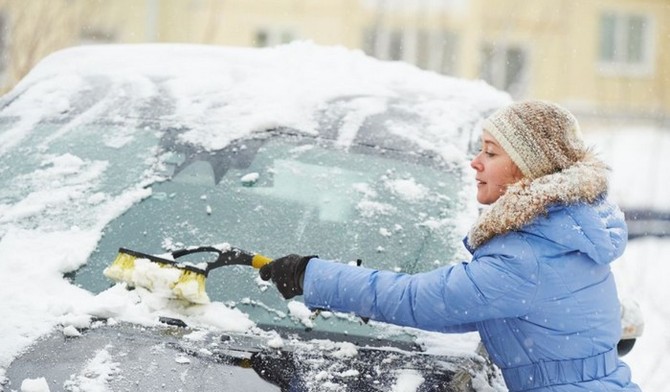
x=159 y=148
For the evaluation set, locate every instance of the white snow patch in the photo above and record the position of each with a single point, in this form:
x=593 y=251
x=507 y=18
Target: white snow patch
x=96 y=375
x=368 y=208
x=407 y=189
x=70 y=331
x=384 y=232
x=408 y=380
x=299 y=311
x=249 y=179
x=345 y=350
x=276 y=342
x=35 y=385
x=196 y=335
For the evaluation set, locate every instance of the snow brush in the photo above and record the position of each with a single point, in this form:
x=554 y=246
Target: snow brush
x=168 y=276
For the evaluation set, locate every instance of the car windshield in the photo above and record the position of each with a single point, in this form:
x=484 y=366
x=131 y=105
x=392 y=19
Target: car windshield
x=276 y=193
x=287 y=193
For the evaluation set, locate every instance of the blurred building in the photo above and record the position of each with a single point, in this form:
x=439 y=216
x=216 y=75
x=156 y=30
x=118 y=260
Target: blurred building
x=603 y=59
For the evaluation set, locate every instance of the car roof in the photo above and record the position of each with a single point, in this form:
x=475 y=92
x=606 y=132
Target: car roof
x=220 y=94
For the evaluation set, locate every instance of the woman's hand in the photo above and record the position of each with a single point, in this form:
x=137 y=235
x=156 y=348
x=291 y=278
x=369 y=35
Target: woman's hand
x=287 y=273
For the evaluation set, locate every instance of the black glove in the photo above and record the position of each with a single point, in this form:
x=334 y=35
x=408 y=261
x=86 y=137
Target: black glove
x=287 y=273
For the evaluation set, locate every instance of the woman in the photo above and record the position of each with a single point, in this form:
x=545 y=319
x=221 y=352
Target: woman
x=538 y=288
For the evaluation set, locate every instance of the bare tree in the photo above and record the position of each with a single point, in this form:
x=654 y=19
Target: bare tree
x=33 y=29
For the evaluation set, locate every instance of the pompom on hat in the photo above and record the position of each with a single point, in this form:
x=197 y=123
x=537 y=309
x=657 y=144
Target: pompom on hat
x=540 y=137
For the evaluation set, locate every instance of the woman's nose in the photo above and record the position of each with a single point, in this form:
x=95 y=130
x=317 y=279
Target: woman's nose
x=475 y=163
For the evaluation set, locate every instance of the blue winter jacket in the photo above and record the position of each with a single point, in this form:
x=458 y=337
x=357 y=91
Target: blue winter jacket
x=542 y=297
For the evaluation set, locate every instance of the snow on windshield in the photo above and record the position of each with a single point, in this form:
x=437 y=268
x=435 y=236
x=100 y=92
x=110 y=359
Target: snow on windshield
x=242 y=91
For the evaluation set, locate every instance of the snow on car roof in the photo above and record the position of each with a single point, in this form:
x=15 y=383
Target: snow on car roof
x=247 y=90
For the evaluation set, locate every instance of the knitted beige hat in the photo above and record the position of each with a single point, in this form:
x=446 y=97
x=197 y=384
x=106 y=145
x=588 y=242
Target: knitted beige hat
x=540 y=137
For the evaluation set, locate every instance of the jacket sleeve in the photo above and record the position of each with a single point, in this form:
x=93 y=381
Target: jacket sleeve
x=499 y=282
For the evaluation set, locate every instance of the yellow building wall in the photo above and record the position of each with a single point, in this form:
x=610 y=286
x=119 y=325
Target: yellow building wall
x=235 y=22
x=614 y=92
x=560 y=37
x=562 y=40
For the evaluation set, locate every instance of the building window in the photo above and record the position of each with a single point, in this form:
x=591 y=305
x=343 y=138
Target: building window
x=370 y=38
x=261 y=39
x=434 y=50
x=396 y=45
x=385 y=44
x=94 y=35
x=272 y=37
x=423 y=49
x=506 y=68
x=625 y=44
x=437 y=51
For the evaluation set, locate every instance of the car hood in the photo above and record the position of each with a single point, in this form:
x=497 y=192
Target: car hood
x=122 y=356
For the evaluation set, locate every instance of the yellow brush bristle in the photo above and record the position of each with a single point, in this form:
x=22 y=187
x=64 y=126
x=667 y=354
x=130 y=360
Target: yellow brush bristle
x=157 y=277
x=121 y=269
x=191 y=287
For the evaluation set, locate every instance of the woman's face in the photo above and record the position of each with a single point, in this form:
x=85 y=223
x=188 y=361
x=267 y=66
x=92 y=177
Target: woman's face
x=495 y=170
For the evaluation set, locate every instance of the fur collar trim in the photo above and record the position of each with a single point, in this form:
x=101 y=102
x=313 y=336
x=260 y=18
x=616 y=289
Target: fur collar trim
x=525 y=200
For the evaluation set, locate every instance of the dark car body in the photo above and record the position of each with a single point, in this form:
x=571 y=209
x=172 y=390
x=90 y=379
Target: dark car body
x=161 y=358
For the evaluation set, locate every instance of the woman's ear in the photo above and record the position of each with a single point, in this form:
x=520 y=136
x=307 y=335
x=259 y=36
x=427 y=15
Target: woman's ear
x=517 y=174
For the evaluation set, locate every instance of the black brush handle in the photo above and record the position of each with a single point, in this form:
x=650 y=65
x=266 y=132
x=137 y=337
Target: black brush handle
x=232 y=256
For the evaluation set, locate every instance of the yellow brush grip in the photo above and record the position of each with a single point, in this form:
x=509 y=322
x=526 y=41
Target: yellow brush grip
x=257 y=261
